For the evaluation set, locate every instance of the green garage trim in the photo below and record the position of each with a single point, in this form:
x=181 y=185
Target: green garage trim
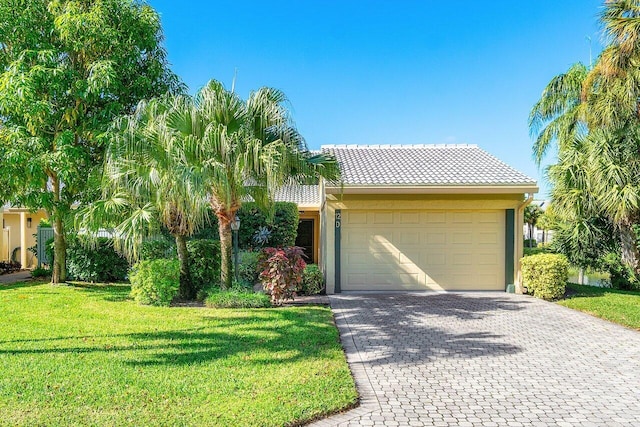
x=509 y=246
x=336 y=249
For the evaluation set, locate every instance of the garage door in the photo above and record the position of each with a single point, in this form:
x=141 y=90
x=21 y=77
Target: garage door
x=421 y=250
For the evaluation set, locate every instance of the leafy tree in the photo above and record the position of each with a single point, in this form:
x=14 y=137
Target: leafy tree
x=67 y=69
x=238 y=149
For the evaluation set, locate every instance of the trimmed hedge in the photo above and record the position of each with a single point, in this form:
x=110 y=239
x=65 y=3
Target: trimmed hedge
x=155 y=282
x=536 y=251
x=545 y=275
x=95 y=262
x=283 y=227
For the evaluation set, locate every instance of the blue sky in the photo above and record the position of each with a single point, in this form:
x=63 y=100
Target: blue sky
x=390 y=72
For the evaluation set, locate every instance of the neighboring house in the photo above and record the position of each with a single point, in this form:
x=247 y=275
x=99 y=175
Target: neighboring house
x=421 y=217
x=19 y=226
x=414 y=217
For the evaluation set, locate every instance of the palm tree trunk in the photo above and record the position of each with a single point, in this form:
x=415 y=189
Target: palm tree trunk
x=186 y=290
x=629 y=246
x=226 y=266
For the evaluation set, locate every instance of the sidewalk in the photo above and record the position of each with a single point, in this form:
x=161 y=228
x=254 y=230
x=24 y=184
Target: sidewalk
x=20 y=276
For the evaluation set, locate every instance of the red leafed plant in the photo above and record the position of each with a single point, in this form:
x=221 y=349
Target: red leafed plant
x=281 y=272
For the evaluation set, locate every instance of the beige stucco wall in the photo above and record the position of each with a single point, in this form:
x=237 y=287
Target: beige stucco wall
x=15 y=230
x=414 y=202
x=3 y=239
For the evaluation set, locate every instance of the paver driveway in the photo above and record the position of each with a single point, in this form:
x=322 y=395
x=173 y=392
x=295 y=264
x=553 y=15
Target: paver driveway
x=489 y=359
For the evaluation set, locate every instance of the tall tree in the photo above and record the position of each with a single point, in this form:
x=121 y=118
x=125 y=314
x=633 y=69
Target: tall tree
x=67 y=69
x=239 y=149
x=595 y=185
x=147 y=186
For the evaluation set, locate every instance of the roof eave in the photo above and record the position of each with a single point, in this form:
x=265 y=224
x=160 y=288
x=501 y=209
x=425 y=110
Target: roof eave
x=434 y=189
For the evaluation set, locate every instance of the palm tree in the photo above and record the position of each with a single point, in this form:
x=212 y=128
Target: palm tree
x=238 y=150
x=545 y=223
x=147 y=186
x=559 y=116
x=595 y=179
x=613 y=85
x=531 y=215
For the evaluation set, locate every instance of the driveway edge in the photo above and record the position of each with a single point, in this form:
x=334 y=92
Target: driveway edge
x=367 y=398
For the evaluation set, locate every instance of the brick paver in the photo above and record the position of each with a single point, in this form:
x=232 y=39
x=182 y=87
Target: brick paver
x=484 y=359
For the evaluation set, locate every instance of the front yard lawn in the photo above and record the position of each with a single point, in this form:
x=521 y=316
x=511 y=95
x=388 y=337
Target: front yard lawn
x=88 y=355
x=622 y=307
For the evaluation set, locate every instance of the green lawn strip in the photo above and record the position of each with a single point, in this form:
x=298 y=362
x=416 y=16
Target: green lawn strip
x=73 y=355
x=621 y=307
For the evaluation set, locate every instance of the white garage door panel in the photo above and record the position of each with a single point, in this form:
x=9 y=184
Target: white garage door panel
x=418 y=250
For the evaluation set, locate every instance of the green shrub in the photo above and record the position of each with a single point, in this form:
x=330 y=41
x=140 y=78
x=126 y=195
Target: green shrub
x=155 y=282
x=545 y=275
x=281 y=272
x=620 y=275
x=282 y=229
x=157 y=249
x=95 y=261
x=204 y=256
x=237 y=299
x=530 y=243
x=9 y=267
x=536 y=251
x=248 y=270
x=40 y=272
x=312 y=280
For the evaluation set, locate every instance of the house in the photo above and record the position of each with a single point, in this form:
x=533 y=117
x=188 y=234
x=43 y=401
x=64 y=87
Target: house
x=19 y=227
x=410 y=217
x=416 y=217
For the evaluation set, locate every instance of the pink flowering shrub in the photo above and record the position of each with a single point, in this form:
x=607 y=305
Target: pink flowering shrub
x=281 y=272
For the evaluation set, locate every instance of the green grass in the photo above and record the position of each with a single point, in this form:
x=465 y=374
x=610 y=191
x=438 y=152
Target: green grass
x=621 y=307
x=238 y=299
x=88 y=355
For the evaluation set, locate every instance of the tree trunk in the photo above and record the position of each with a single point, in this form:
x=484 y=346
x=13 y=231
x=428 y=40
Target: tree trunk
x=59 y=274
x=629 y=246
x=226 y=261
x=186 y=291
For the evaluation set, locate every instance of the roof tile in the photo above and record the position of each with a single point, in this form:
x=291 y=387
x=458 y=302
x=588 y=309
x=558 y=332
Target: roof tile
x=442 y=164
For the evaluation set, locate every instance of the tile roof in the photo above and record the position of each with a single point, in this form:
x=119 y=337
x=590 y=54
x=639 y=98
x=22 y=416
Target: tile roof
x=302 y=195
x=402 y=165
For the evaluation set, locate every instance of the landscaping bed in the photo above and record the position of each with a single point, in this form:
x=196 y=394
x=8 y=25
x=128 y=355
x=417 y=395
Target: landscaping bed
x=88 y=355
x=621 y=307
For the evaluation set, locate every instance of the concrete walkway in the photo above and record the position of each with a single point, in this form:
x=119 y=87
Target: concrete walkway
x=14 y=277
x=486 y=359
